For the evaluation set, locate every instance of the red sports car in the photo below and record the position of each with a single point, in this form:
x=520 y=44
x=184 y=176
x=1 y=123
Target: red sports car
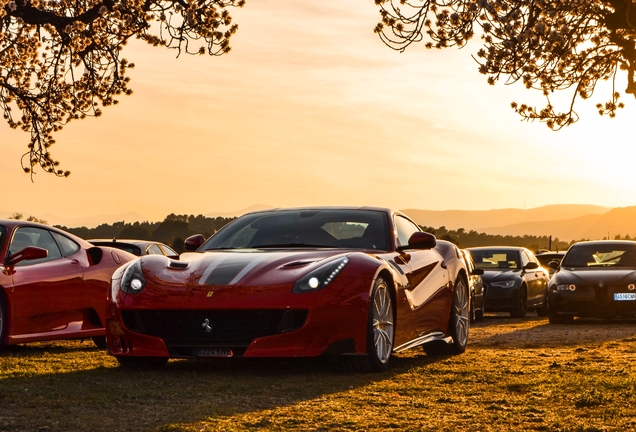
x=360 y=283
x=53 y=285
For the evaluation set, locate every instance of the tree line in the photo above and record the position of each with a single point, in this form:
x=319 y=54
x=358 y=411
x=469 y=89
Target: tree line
x=173 y=230
x=472 y=238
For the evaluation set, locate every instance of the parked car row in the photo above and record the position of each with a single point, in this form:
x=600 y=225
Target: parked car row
x=356 y=284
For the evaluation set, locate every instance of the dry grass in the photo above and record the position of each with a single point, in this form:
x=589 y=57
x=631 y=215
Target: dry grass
x=515 y=375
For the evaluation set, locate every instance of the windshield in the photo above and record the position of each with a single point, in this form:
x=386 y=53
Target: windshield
x=495 y=259
x=595 y=255
x=349 y=229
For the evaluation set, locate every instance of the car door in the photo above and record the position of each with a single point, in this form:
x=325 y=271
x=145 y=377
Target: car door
x=427 y=277
x=46 y=292
x=533 y=279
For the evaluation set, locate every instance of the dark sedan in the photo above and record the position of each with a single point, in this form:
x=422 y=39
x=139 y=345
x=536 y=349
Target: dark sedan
x=137 y=247
x=513 y=279
x=595 y=279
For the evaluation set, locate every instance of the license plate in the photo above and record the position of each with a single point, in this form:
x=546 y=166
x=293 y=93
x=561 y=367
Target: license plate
x=624 y=296
x=214 y=352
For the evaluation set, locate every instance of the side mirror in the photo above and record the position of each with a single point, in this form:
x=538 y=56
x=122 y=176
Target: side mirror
x=27 y=254
x=193 y=243
x=420 y=240
x=531 y=266
x=555 y=265
x=477 y=272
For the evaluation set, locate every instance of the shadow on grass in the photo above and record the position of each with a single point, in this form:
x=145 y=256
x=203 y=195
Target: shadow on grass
x=536 y=332
x=106 y=397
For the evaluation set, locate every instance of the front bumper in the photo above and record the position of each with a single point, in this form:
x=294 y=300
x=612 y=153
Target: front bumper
x=500 y=299
x=261 y=322
x=596 y=302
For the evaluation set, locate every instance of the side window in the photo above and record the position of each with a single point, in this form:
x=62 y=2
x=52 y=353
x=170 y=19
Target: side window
x=154 y=250
x=168 y=250
x=31 y=236
x=68 y=246
x=524 y=259
x=405 y=229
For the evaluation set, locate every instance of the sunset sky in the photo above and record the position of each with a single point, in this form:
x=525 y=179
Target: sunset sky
x=310 y=108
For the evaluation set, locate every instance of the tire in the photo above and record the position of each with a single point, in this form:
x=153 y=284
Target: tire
x=542 y=311
x=3 y=321
x=459 y=323
x=134 y=362
x=520 y=309
x=100 y=342
x=380 y=330
x=479 y=314
x=473 y=313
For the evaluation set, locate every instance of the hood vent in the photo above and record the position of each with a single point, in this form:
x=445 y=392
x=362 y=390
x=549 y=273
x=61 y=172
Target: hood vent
x=299 y=263
x=178 y=264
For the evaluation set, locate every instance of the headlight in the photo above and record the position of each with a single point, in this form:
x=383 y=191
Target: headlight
x=504 y=284
x=133 y=281
x=321 y=277
x=566 y=287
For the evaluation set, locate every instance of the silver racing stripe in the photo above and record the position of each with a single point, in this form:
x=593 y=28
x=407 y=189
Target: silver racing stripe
x=231 y=268
x=247 y=268
x=208 y=271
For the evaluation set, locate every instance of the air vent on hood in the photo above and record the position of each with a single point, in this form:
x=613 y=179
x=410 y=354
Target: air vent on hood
x=178 y=264
x=299 y=263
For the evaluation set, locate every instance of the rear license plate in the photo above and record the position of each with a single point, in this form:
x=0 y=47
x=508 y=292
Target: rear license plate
x=213 y=352
x=624 y=296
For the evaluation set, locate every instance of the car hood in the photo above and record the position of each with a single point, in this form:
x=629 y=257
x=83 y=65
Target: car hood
x=499 y=275
x=616 y=276
x=245 y=267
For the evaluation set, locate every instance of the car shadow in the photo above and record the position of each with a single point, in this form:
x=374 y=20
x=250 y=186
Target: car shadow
x=183 y=391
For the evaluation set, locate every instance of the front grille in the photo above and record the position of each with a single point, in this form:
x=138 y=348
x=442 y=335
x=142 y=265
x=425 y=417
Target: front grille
x=209 y=328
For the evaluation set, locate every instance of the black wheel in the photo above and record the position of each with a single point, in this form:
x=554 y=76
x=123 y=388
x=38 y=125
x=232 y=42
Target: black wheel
x=479 y=314
x=100 y=342
x=380 y=330
x=520 y=309
x=3 y=320
x=134 y=362
x=459 y=323
x=542 y=311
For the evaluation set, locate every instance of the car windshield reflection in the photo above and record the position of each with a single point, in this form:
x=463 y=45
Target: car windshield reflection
x=329 y=228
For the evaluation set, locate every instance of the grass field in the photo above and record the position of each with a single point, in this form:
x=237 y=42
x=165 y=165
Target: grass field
x=515 y=375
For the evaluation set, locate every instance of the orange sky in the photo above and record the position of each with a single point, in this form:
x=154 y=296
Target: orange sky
x=310 y=108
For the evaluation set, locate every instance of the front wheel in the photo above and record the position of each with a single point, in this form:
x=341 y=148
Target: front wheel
x=380 y=330
x=459 y=322
x=520 y=309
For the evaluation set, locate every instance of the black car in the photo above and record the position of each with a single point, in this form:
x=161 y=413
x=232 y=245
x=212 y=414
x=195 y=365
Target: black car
x=476 y=287
x=595 y=279
x=137 y=247
x=514 y=281
x=546 y=257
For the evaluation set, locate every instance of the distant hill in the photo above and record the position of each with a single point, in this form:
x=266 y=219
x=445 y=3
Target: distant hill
x=478 y=220
x=617 y=221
